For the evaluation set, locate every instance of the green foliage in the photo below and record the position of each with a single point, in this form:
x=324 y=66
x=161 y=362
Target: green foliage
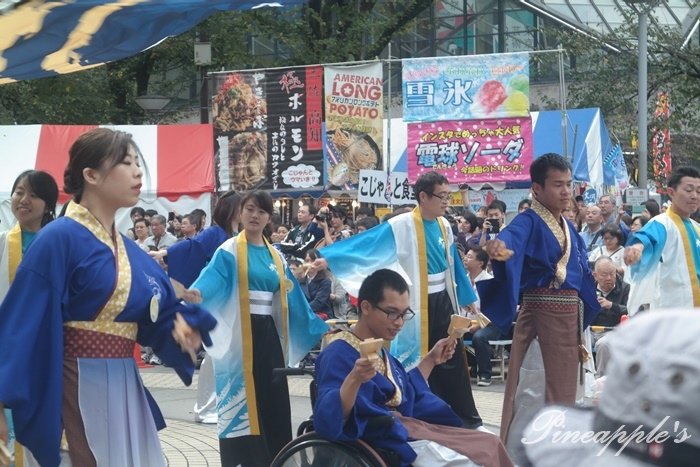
x=609 y=80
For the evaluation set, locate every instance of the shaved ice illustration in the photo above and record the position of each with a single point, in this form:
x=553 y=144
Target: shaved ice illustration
x=516 y=103
x=489 y=98
x=519 y=83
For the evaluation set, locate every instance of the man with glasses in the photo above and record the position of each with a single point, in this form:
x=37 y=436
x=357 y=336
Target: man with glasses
x=355 y=391
x=419 y=245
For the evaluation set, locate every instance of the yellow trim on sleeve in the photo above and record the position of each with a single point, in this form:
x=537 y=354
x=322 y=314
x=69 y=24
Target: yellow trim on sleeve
x=14 y=250
x=689 y=259
x=423 y=279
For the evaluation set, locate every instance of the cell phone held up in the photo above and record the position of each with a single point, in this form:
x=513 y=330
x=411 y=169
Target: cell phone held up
x=495 y=225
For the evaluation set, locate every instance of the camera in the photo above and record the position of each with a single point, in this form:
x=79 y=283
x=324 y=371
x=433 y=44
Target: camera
x=495 y=225
x=322 y=217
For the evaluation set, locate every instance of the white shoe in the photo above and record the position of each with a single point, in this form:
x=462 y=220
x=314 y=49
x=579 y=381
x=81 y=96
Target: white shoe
x=483 y=429
x=155 y=360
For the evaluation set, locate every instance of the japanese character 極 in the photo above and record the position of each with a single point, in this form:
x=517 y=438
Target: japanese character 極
x=290 y=81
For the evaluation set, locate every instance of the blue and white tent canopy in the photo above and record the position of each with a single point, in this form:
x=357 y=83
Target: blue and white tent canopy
x=41 y=38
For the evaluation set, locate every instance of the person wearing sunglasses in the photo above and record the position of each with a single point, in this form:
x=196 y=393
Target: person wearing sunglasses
x=421 y=246
x=375 y=399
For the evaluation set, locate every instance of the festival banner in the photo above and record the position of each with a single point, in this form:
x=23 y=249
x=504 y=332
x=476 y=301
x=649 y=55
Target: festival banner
x=472 y=151
x=469 y=87
x=268 y=128
x=353 y=138
x=373 y=188
x=661 y=143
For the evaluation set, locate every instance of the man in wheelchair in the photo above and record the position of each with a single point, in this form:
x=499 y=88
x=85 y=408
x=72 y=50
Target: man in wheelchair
x=353 y=390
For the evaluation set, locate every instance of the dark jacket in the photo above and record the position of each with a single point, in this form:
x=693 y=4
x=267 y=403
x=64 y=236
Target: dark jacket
x=298 y=241
x=318 y=293
x=618 y=296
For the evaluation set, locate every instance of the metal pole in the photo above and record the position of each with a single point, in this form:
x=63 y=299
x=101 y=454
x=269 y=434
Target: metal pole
x=562 y=105
x=642 y=105
x=388 y=125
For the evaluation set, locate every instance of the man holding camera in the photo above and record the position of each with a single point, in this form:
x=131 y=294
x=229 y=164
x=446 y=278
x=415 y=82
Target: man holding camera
x=494 y=222
x=305 y=235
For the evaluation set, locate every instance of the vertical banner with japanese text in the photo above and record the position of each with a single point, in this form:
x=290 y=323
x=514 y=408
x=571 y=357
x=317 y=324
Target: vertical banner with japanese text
x=354 y=103
x=472 y=151
x=661 y=143
x=267 y=126
x=470 y=87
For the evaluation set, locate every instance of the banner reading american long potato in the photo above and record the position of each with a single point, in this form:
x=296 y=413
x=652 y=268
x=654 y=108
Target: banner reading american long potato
x=474 y=151
x=354 y=122
x=476 y=86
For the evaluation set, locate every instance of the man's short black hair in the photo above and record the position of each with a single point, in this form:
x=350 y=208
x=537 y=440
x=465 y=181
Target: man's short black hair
x=652 y=206
x=675 y=179
x=372 y=288
x=542 y=165
x=312 y=209
x=615 y=232
x=497 y=204
x=427 y=182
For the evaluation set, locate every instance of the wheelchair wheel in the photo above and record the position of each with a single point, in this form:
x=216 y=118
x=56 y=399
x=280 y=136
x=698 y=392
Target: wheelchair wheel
x=310 y=450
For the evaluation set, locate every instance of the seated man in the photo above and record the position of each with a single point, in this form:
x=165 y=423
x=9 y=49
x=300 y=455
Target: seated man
x=612 y=295
x=353 y=390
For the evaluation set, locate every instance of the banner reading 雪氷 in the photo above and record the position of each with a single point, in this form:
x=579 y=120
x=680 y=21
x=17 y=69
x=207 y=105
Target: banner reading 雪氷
x=469 y=87
x=472 y=151
x=353 y=138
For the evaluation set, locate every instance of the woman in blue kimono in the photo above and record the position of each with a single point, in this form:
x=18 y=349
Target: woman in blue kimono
x=33 y=203
x=81 y=297
x=264 y=323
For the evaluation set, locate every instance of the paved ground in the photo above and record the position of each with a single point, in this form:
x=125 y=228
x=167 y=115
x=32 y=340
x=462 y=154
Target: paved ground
x=190 y=444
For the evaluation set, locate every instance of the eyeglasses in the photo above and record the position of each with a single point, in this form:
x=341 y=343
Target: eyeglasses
x=394 y=315
x=444 y=197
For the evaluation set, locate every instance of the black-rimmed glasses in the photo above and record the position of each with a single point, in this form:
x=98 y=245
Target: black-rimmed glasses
x=444 y=197
x=394 y=315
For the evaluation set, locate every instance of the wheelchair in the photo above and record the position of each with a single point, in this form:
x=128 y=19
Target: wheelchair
x=309 y=449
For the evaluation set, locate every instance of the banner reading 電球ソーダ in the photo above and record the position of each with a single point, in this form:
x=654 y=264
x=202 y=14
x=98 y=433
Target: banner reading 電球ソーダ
x=472 y=151
x=268 y=128
x=470 y=87
x=354 y=123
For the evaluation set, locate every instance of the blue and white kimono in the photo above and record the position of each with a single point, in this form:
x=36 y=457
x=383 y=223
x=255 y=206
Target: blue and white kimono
x=224 y=285
x=668 y=274
x=188 y=257
x=79 y=294
x=400 y=245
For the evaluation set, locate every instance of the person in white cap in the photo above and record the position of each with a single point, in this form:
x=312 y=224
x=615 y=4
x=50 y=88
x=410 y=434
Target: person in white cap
x=666 y=251
x=649 y=409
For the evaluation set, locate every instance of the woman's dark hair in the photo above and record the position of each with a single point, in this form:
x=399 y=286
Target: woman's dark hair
x=137 y=210
x=199 y=215
x=652 y=206
x=314 y=255
x=372 y=288
x=44 y=186
x=615 y=232
x=642 y=220
x=226 y=210
x=471 y=219
x=92 y=150
x=261 y=198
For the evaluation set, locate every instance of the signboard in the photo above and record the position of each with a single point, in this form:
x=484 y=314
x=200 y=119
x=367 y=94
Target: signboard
x=353 y=139
x=373 y=188
x=661 y=143
x=472 y=151
x=268 y=128
x=636 y=196
x=467 y=87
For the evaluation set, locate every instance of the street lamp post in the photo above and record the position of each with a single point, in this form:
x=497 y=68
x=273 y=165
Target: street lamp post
x=643 y=8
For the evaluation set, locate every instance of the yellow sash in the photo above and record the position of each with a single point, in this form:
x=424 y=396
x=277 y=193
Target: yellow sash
x=14 y=250
x=246 y=326
x=690 y=262
x=423 y=270
x=563 y=237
